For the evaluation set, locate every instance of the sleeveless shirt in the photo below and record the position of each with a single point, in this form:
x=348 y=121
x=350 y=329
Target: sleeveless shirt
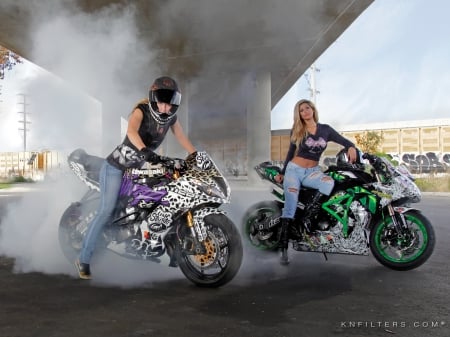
x=152 y=134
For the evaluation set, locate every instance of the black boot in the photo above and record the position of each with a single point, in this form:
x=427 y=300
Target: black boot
x=284 y=240
x=312 y=209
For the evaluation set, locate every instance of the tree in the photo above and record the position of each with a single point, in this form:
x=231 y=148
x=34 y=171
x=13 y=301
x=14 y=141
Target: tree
x=370 y=141
x=8 y=59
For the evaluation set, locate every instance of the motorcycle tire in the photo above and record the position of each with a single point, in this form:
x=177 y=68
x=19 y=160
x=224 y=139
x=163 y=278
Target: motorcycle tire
x=258 y=212
x=223 y=256
x=70 y=239
x=407 y=252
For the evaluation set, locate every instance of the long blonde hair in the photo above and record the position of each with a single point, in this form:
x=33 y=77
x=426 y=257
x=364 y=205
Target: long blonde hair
x=299 y=130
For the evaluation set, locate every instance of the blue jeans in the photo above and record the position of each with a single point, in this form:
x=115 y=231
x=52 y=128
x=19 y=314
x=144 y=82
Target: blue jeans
x=110 y=181
x=295 y=177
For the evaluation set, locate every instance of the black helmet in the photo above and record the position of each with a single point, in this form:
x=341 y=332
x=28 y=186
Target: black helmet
x=164 y=90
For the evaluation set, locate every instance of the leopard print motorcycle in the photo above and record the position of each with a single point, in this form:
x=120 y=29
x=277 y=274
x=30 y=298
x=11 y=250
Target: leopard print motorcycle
x=170 y=209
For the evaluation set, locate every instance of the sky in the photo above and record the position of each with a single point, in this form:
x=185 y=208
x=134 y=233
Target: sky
x=390 y=65
x=35 y=91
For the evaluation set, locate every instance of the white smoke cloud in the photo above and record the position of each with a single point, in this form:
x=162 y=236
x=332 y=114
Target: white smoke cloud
x=29 y=234
x=95 y=57
x=29 y=230
x=100 y=52
x=102 y=55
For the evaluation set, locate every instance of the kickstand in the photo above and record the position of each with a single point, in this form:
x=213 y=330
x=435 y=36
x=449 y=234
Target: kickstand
x=325 y=256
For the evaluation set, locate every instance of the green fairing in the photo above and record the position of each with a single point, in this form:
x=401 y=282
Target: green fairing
x=365 y=197
x=278 y=195
x=336 y=176
x=271 y=173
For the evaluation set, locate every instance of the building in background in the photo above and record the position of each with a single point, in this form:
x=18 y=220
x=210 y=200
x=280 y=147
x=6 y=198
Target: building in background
x=32 y=165
x=423 y=145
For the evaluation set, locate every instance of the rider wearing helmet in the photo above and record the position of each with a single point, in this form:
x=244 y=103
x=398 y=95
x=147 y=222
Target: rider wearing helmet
x=165 y=90
x=147 y=127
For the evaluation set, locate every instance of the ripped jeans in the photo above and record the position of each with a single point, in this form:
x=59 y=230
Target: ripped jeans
x=296 y=177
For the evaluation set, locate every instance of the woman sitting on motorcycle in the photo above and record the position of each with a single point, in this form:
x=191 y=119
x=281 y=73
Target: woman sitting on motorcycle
x=147 y=127
x=309 y=140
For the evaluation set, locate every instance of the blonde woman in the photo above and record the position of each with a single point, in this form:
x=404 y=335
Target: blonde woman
x=309 y=140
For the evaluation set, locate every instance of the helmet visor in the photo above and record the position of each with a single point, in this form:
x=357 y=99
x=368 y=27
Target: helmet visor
x=166 y=96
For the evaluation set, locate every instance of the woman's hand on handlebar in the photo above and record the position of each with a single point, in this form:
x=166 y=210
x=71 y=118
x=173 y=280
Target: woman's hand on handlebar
x=173 y=163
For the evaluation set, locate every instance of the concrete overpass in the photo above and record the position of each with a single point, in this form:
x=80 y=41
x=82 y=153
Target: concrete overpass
x=235 y=59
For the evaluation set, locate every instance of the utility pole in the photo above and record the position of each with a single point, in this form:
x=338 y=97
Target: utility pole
x=311 y=79
x=24 y=123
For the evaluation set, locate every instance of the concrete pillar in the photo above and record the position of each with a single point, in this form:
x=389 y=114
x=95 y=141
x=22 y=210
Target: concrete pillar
x=258 y=124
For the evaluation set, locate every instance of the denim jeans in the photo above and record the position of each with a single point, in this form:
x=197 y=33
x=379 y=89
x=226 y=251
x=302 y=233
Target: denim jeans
x=110 y=182
x=295 y=177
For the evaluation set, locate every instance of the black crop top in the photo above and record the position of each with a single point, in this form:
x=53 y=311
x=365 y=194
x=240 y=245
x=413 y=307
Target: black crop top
x=312 y=146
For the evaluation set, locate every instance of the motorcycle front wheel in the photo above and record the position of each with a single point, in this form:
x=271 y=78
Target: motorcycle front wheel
x=406 y=250
x=222 y=256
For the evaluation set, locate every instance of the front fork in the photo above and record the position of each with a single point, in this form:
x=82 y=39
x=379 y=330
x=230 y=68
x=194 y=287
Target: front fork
x=196 y=224
x=196 y=246
x=399 y=227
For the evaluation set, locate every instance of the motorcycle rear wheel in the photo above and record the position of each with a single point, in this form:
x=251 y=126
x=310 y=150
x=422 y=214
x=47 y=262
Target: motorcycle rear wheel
x=261 y=212
x=70 y=237
x=407 y=252
x=222 y=259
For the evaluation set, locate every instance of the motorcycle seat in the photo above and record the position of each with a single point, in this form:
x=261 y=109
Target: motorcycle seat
x=90 y=163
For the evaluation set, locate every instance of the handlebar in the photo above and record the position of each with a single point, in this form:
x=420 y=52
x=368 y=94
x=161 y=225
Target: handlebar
x=371 y=158
x=375 y=161
x=173 y=163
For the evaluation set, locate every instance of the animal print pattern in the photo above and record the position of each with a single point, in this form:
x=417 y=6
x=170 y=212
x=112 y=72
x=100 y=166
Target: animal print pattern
x=81 y=173
x=201 y=183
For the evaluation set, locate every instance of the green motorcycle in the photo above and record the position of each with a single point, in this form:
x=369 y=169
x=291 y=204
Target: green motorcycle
x=368 y=210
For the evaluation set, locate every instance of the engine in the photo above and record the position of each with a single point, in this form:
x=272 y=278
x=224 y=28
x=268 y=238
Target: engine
x=331 y=239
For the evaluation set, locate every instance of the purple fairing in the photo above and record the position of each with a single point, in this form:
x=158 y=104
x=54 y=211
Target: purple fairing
x=140 y=192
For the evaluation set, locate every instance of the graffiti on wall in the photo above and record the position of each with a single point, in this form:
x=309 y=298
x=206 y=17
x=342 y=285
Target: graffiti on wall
x=426 y=163
x=429 y=162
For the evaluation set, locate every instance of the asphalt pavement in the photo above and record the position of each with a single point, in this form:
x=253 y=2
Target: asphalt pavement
x=342 y=296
